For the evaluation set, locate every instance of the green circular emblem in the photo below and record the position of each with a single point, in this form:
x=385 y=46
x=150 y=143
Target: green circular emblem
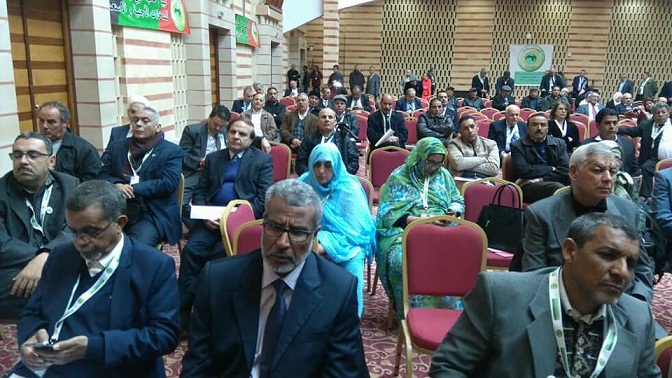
x=177 y=13
x=558 y=333
x=108 y=270
x=531 y=58
x=601 y=361
x=554 y=286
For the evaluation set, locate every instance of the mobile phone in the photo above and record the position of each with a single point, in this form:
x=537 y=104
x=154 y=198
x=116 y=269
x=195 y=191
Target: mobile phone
x=40 y=346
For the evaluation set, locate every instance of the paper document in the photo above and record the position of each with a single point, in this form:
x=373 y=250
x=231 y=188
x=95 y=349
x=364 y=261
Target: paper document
x=207 y=212
x=385 y=137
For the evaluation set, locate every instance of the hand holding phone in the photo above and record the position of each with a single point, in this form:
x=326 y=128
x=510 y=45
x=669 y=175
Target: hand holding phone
x=40 y=346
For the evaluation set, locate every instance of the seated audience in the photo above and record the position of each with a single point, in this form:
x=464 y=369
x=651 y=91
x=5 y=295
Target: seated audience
x=603 y=332
x=197 y=142
x=313 y=102
x=435 y=124
x=592 y=107
x=357 y=101
x=504 y=80
x=298 y=123
x=273 y=106
x=592 y=171
x=472 y=100
x=448 y=100
x=507 y=130
x=293 y=89
x=75 y=156
x=656 y=143
x=264 y=124
x=283 y=295
x=539 y=160
x=241 y=105
x=237 y=172
x=560 y=126
x=324 y=99
x=343 y=117
x=326 y=133
x=532 y=100
x=348 y=235
x=616 y=100
x=33 y=219
x=607 y=127
x=408 y=103
x=105 y=305
x=146 y=169
x=402 y=201
x=382 y=120
x=125 y=131
x=626 y=105
x=503 y=99
x=547 y=102
x=470 y=155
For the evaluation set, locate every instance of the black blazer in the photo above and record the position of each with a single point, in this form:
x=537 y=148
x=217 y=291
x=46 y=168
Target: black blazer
x=526 y=164
x=238 y=106
x=312 y=140
x=571 y=138
x=497 y=132
x=194 y=142
x=77 y=157
x=630 y=164
x=375 y=129
x=643 y=130
x=365 y=102
x=117 y=133
x=255 y=176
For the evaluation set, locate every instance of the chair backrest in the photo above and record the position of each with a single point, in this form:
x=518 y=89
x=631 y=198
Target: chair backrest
x=362 y=123
x=234 y=116
x=483 y=127
x=361 y=112
x=480 y=193
x=236 y=213
x=441 y=260
x=412 y=127
x=499 y=115
x=248 y=237
x=424 y=103
x=627 y=122
x=480 y=117
x=525 y=113
x=507 y=168
x=291 y=108
x=592 y=129
x=583 y=131
x=416 y=114
x=466 y=110
x=368 y=189
x=287 y=101
x=384 y=160
x=489 y=112
x=664 y=355
x=487 y=103
x=663 y=164
x=282 y=161
x=580 y=118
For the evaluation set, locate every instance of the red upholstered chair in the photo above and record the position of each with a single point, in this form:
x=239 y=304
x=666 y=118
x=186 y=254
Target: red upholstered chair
x=416 y=114
x=291 y=108
x=498 y=116
x=439 y=261
x=483 y=127
x=525 y=113
x=489 y=112
x=663 y=164
x=362 y=123
x=507 y=168
x=480 y=117
x=404 y=114
x=282 y=161
x=236 y=213
x=664 y=354
x=583 y=130
x=466 y=109
x=578 y=117
x=382 y=161
x=360 y=112
x=368 y=190
x=287 y=101
x=248 y=237
x=479 y=193
x=487 y=103
x=460 y=102
x=234 y=116
x=424 y=103
x=412 y=138
x=627 y=122
x=592 y=129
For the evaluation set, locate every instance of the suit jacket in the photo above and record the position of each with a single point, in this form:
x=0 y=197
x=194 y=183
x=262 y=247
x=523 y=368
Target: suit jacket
x=350 y=120
x=440 y=127
x=662 y=196
x=320 y=104
x=628 y=87
x=365 y=102
x=117 y=133
x=506 y=330
x=547 y=222
x=77 y=157
x=401 y=104
x=237 y=106
x=577 y=85
x=143 y=324
x=584 y=109
x=375 y=129
x=546 y=103
x=268 y=127
x=289 y=124
x=500 y=102
x=476 y=83
x=255 y=176
x=320 y=336
x=501 y=82
x=646 y=149
x=571 y=138
x=526 y=163
x=497 y=132
x=277 y=110
x=159 y=178
x=666 y=90
x=650 y=89
x=630 y=164
x=373 y=85
x=545 y=87
x=194 y=142
x=312 y=140
x=527 y=103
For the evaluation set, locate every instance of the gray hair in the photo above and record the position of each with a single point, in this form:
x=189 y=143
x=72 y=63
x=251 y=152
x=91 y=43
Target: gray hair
x=62 y=109
x=659 y=105
x=297 y=194
x=580 y=156
x=36 y=135
x=154 y=112
x=98 y=192
x=584 y=228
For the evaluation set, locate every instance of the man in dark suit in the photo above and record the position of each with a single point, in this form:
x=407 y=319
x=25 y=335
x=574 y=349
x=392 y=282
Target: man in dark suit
x=75 y=156
x=647 y=87
x=384 y=119
x=548 y=81
x=666 y=90
x=313 y=103
x=651 y=132
x=579 y=85
x=124 y=131
x=503 y=80
x=293 y=89
x=281 y=311
x=480 y=82
x=326 y=133
x=607 y=126
x=197 y=141
x=343 y=116
x=121 y=315
x=325 y=99
x=297 y=124
x=408 y=103
x=146 y=168
x=532 y=100
x=357 y=101
x=625 y=85
x=579 y=308
x=434 y=124
x=273 y=106
x=472 y=100
x=243 y=104
x=592 y=171
x=503 y=99
x=33 y=218
x=507 y=130
x=238 y=172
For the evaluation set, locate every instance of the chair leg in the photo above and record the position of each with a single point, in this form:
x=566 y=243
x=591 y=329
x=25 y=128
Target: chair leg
x=391 y=315
x=376 y=278
x=397 y=358
x=409 y=359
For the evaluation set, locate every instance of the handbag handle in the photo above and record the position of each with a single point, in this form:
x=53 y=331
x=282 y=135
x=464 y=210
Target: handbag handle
x=500 y=191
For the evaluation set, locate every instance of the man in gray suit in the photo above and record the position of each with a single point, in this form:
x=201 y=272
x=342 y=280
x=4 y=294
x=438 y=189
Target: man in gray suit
x=592 y=169
x=510 y=320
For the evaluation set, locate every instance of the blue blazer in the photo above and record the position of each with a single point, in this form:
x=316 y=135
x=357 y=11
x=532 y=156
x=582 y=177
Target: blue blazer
x=401 y=104
x=143 y=323
x=237 y=106
x=497 y=132
x=159 y=178
x=662 y=195
x=320 y=336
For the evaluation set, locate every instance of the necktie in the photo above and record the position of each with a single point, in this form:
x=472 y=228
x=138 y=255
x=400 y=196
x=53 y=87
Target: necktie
x=594 y=112
x=387 y=122
x=218 y=142
x=273 y=328
x=235 y=158
x=325 y=139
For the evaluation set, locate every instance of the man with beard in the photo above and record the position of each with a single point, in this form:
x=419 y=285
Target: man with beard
x=282 y=295
x=471 y=155
x=298 y=123
x=273 y=106
x=33 y=219
x=105 y=305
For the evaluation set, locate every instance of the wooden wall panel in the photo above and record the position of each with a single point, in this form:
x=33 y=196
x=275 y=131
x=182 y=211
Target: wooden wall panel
x=314 y=36
x=214 y=68
x=472 y=43
x=360 y=38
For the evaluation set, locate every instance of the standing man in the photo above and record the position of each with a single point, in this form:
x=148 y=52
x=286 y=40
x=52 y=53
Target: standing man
x=503 y=80
x=241 y=105
x=480 y=82
x=405 y=78
x=125 y=131
x=625 y=85
x=197 y=142
x=286 y=296
x=293 y=74
x=75 y=156
x=607 y=127
x=146 y=169
x=558 y=321
x=306 y=79
x=356 y=79
x=32 y=201
x=647 y=87
x=580 y=86
x=548 y=81
x=336 y=82
x=373 y=84
x=470 y=155
x=297 y=124
x=237 y=172
x=507 y=130
x=384 y=119
x=435 y=124
x=539 y=160
x=273 y=106
x=432 y=78
x=107 y=306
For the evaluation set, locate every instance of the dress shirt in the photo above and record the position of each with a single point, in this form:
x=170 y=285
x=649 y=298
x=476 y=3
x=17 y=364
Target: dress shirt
x=266 y=304
x=215 y=143
x=357 y=103
x=256 y=121
x=512 y=134
x=641 y=86
x=97 y=266
x=665 y=144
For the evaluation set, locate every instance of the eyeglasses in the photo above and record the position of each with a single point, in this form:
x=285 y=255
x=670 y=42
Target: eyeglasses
x=433 y=164
x=296 y=235
x=32 y=155
x=89 y=234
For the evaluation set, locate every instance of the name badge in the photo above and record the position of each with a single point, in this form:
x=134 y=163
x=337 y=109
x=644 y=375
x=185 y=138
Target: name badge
x=135 y=179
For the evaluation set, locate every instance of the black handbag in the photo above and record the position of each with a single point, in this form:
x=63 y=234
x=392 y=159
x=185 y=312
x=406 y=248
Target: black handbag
x=502 y=224
x=135 y=208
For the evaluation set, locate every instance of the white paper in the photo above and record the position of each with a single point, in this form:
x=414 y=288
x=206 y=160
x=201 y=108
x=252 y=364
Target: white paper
x=385 y=137
x=207 y=212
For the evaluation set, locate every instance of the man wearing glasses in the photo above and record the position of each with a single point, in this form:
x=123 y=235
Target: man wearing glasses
x=105 y=304
x=33 y=219
x=281 y=310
